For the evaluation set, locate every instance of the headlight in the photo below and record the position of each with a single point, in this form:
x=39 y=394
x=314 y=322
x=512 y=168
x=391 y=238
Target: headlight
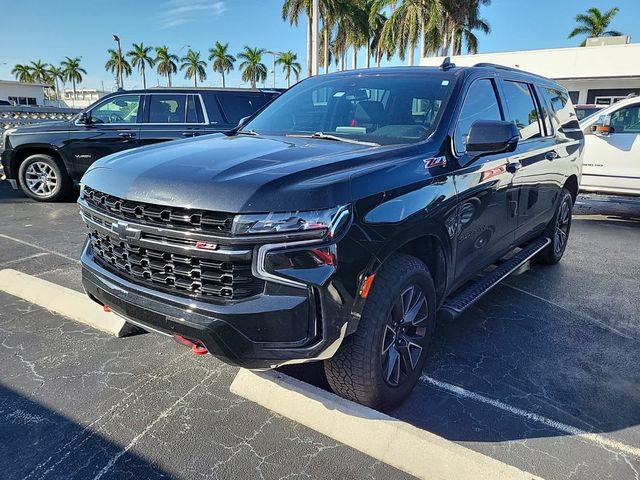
x=329 y=220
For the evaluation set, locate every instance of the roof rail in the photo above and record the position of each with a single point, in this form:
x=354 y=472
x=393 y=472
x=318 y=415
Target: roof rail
x=504 y=67
x=447 y=65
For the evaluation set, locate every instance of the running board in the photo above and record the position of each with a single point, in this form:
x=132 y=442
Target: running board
x=457 y=304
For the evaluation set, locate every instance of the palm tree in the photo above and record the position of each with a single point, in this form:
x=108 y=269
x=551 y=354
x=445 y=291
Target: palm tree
x=55 y=73
x=22 y=73
x=461 y=18
x=289 y=63
x=194 y=67
x=253 y=70
x=222 y=60
x=594 y=23
x=166 y=62
x=402 y=30
x=72 y=72
x=39 y=72
x=353 y=28
x=291 y=10
x=139 y=58
x=114 y=61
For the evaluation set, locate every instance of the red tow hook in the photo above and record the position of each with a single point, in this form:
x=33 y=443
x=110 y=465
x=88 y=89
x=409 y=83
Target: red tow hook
x=106 y=308
x=196 y=347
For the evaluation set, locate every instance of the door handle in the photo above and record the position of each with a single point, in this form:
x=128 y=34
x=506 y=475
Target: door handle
x=551 y=155
x=513 y=167
x=127 y=135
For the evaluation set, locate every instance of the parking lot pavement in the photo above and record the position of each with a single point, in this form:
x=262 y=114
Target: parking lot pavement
x=542 y=374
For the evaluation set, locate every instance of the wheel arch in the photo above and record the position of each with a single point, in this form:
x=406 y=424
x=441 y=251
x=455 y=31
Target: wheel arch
x=571 y=184
x=24 y=152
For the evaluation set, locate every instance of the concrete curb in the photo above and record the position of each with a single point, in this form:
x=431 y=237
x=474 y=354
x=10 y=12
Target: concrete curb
x=62 y=300
x=399 y=444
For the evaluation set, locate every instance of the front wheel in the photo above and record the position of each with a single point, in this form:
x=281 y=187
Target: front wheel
x=381 y=362
x=44 y=178
x=558 y=231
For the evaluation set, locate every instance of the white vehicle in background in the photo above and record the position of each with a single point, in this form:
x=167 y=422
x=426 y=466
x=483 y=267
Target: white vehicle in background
x=612 y=149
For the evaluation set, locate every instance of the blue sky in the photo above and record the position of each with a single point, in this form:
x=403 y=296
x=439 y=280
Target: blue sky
x=34 y=29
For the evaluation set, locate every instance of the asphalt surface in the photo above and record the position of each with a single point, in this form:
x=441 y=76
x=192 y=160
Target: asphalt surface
x=543 y=359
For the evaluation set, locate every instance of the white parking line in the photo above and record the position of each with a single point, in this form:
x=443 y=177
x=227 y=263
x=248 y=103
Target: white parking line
x=22 y=259
x=33 y=245
x=594 y=438
x=387 y=439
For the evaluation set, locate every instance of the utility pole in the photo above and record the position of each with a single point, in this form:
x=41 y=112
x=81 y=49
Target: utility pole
x=274 y=66
x=315 y=17
x=119 y=81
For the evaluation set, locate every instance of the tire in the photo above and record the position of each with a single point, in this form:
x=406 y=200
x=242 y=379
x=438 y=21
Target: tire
x=44 y=178
x=380 y=363
x=558 y=231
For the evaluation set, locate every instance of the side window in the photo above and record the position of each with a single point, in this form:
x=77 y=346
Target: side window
x=213 y=110
x=172 y=108
x=120 y=109
x=626 y=120
x=522 y=108
x=547 y=113
x=480 y=103
x=236 y=107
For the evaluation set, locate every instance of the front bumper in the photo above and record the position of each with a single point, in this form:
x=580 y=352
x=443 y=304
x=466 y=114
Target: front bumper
x=243 y=333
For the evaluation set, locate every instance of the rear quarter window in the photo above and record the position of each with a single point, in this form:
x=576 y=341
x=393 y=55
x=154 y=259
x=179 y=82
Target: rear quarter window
x=561 y=108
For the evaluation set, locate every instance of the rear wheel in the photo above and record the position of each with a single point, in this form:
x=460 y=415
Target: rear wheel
x=381 y=362
x=558 y=231
x=44 y=178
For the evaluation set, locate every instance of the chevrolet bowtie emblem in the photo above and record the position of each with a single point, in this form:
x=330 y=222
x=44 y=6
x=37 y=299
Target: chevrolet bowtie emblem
x=125 y=231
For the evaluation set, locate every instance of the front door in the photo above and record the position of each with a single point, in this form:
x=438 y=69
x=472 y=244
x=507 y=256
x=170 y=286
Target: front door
x=113 y=127
x=487 y=201
x=612 y=162
x=171 y=116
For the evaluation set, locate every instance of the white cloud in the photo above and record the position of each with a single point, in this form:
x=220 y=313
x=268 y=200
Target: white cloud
x=181 y=12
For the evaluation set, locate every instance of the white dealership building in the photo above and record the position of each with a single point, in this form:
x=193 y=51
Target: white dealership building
x=604 y=71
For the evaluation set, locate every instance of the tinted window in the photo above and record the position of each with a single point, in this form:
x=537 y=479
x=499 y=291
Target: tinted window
x=172 y=108
x=522 y=108
x=120 y=109
x=626 y=120
x=213 y=111
x=368 y=107
x=480 y=103
x=584 y=112
x=236 y=107
x=561 y=108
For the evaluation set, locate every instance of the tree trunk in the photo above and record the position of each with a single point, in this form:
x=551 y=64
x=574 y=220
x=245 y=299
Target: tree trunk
x=412 y=49
x=222 y=78
x=195 y=81
x=309 y=45
x=452 y=42
x=327 y=34
x=341 y=61
x=378 y=59
x=144 y=79
x=73 y=81
x=368 y=59
x=354 y=65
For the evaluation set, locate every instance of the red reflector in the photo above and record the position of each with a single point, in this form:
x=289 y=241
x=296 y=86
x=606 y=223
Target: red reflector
x=366 y=286
x=106 y=308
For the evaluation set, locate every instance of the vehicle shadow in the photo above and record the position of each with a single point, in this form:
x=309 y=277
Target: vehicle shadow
x=40 y=443
x=9 y=195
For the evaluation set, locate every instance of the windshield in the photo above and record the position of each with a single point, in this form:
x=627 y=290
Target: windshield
x=376 y=108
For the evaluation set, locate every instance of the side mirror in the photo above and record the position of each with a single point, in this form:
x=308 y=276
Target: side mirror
x=85 y=118
x=602 y=127
x=488 y=137
x=243 y=121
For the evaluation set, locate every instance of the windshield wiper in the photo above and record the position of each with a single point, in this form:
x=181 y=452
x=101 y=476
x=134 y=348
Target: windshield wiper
x=247 y=132
x=325 y=136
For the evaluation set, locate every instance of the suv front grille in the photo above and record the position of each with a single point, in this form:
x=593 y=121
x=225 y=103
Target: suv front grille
x=159 y=216
x=169 y=260
x=177 y=273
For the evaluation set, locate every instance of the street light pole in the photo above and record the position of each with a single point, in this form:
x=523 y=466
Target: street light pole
x=314 y=37
x=119 y=81
x=274 y=66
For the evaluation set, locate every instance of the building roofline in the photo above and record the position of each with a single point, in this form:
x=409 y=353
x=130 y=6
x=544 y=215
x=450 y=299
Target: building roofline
x=26 y=84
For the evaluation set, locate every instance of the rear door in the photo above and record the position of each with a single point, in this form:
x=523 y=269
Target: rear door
x=612 y=162
x=171 y=116
x=114 y=126
x=538 y=181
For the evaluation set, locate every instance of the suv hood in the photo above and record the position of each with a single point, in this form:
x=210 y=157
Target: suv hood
x=237 y=174
x=57 y=126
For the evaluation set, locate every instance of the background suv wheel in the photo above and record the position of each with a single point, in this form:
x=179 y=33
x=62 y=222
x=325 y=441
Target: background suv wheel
x=44 y=178
x=381 y=362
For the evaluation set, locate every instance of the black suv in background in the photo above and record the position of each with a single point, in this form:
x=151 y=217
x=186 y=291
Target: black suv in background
x=339 y=220
x=44 y=159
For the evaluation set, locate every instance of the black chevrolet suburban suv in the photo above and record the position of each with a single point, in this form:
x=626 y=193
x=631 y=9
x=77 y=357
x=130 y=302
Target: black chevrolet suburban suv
x=45 y=159
x=338 y=222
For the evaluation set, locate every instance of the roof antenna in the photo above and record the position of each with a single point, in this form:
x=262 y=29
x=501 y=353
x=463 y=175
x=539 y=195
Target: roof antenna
x=447 y=65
